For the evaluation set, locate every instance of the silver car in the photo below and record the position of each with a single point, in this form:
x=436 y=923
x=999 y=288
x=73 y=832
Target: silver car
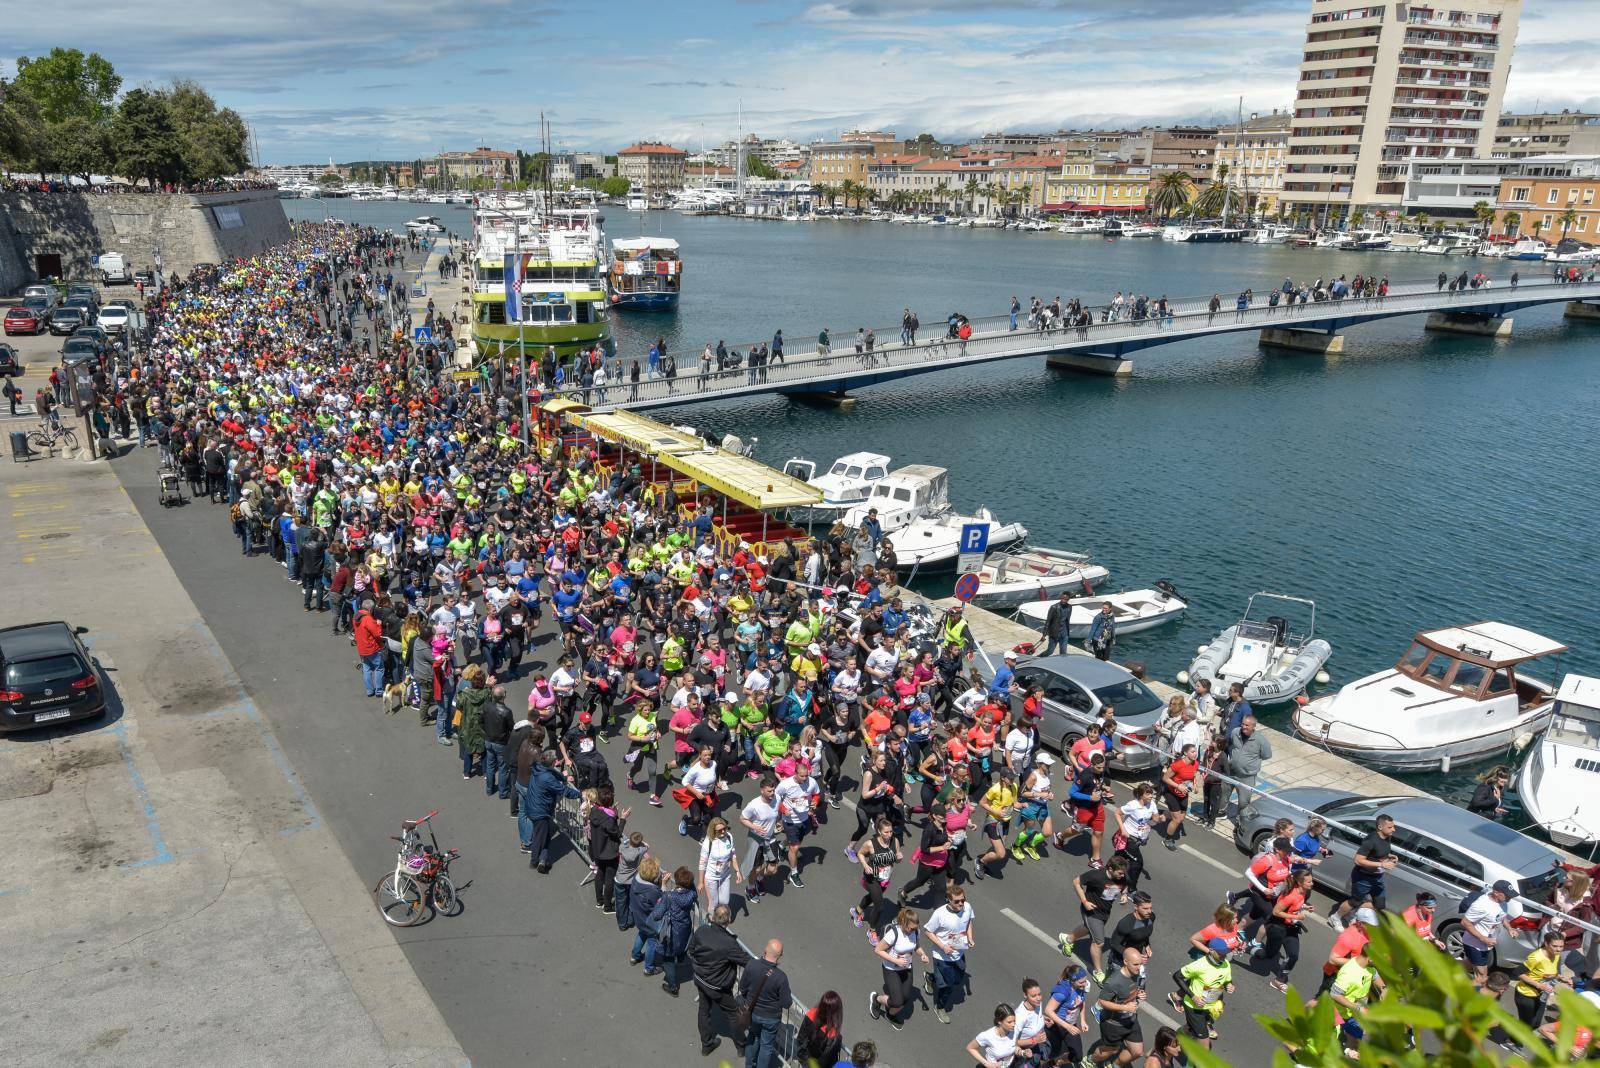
x=1470 y=852
x=1077 y=688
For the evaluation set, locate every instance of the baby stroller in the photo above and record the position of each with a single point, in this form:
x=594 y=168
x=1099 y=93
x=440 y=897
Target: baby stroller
x=171 y=491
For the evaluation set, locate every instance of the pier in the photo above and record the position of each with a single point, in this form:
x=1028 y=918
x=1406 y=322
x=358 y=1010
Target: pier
x=1104 y=348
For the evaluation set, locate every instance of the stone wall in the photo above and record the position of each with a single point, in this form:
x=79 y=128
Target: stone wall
x=186 y=228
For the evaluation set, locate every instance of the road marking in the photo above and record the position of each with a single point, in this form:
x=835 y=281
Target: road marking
x=27 y=508
x=46 y=486
x=1055 y=944
x=1185 y=847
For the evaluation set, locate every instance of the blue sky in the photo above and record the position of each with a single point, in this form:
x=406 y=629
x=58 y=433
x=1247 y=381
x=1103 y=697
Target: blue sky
x=354 y=79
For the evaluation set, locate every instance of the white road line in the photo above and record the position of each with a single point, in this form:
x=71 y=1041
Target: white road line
x=1033 y=929
x=1185 y=847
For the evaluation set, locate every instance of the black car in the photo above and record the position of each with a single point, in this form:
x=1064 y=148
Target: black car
x=97 y=333
x=80 y=348
x=66 y=320
x=10 y=362
x=46 y=676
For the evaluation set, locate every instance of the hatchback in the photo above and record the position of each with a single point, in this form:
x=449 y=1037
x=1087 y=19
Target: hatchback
x=66 y=320
x=46 y=676
x=10 y=362
x=24 y=320
x=1462 y=854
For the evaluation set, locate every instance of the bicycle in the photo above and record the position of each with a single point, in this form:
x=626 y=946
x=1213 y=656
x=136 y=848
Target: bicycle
x=420 y=883
x=46 y=436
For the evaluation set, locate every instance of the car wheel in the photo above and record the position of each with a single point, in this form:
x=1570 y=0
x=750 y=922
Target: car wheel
x=1068 y=740
x=1451 y=934
x=1260 y=842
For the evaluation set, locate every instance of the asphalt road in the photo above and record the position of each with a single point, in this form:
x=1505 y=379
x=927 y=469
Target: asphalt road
x=531 y=947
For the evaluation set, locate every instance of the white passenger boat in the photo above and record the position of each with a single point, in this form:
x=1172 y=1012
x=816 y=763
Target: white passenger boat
x=1134 y=611
x=425 y=224
x=1028 y=573
x=1370 y=240
x=1406 y=242
x=1449 y=245
x=845 y=484
x=1570 y=250
x=1454 y=697
x=1270 y=234
x=1082 y=226
x=903 y=496
x=933 y=542
x=1557 y=783
x=1264 y=652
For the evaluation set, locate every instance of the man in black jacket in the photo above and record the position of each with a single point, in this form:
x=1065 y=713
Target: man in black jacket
x=765 y=988
x=717 y=957
x=497 y=723
x=1057 y=623
x=313 y=550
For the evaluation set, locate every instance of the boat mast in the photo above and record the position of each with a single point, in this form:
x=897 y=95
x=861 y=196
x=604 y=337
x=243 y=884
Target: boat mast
x=1227 y=182
x=738 y=156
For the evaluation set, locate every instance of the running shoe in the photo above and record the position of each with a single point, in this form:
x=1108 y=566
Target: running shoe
x=794 y=881
x=1064 y=943
x=833 y=802
x=851 y=855
x=927 y=983
x=1278 y=985
x=855 y=917
x=1095 y=863
x=940 y=1015
x=1175 y=1000
x=872 y=1007
x=655 y=801
x=683 y=827
x=898 y=1025
x=1099 y=977
x=1032 y=849
x=1171 y=844
x=872 y=938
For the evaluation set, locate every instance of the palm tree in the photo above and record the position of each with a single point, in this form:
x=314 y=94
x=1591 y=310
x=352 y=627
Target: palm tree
x=941 y=194
x=1512 y=222
x=824 y=191
x=1174 y=190
x=1538 y=224
x=1484 y=214
x=1568 y=219
x=972 y=189
x=1421 y=220
x=1357 y=217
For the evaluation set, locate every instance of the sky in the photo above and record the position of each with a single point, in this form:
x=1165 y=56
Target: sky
x=401 y=79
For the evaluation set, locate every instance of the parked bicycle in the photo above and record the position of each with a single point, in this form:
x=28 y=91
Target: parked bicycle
x=420 y=883
x=48 y=435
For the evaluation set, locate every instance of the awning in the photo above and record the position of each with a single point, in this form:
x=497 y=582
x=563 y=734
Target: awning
x=639 y=433
x=742 y=479
x=562 y=405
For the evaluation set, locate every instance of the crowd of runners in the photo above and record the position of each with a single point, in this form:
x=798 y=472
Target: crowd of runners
x=758 y=690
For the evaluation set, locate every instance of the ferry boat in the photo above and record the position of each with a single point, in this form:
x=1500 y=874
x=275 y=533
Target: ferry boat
x=538 y=280
x=646 y=273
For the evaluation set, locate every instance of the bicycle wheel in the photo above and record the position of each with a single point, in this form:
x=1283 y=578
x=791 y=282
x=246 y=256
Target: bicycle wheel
x=39 y=439
x=445 y=899
x=67 y=438
x=400 y=899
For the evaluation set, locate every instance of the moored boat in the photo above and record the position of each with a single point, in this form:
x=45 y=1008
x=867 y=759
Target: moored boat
x=1020 y=574
x=646 y=273
x=1134 y=610
x=1557 y=782
x=933 y=542
x=845 y=484
x=1454 y=697
x=1265 y=653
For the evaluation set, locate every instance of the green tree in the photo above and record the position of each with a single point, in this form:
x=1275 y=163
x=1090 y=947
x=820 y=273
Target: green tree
x=68 y=84
x=145 y=141
x=332 y=178
x=1512 y=222
x=1429 y=1016
x=1568 y=219
x=1174 y=190
x=941 y=195
x=77 y=146
x=21 y=129
x=615 y=186
x=1538 y=224
x=215 y=141
x=756 y=167
x=1483 y=212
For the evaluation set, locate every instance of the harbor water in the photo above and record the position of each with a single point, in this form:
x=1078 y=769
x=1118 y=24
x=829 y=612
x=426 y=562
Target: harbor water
x=1414 y=481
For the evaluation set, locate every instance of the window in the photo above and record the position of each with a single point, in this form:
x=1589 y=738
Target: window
x=875 y=472
x=1440 y=861
x=1469 y=677
x=1438 y=669
x=1069 y=694
x=1582 y=223
x=42 y=672
x=852 y=471
x=1554 y=194
x=1414 y=657
x=1501 y=683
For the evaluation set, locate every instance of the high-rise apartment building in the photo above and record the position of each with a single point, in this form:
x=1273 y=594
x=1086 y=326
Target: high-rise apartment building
x=1383 y=85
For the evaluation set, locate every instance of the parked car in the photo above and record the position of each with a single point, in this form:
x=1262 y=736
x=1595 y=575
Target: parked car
x=1077 y=687
x=39 y=289
x=24 y=320
x=147 y=278
x=1469 y=853
x=113 y=318
x=95 y=331
x=46 y=676
x=83 y=289
x=44 y=304
x=65 y=320
x=10 y=362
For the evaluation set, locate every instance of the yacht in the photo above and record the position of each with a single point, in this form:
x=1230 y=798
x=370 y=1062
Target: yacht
x=1336 y=239
x=425 y=224
x=1082 y=226
x=1557 y=782
x=1370 y=240
x=1448 y=245
x=1264 y=652
x=847 y=483
x=1454 y=697
x=1569 y=250
x=1407 y=242
x=638 y=202
x=1022 y=574
x=1270 y=234
x=1124 y=228
x=903 y=496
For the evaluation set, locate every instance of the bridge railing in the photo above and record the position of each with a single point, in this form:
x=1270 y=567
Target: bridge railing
x=993 y=339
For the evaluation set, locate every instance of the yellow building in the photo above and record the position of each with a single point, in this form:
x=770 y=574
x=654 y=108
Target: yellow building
x=1097 y=185
x=1256 y=158
x=1029 y=175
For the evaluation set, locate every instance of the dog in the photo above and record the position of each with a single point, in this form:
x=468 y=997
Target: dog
x=394 y=697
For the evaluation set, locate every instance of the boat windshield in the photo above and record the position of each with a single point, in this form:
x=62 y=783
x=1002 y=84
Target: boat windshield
x=838 y=467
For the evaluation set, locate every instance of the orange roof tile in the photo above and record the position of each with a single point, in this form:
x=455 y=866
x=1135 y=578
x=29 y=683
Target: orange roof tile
x=651 y=148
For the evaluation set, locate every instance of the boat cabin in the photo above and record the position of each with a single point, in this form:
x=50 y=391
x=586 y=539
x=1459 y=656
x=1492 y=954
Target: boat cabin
x=1577 y=714
x=1478 y=661
x=919 y=486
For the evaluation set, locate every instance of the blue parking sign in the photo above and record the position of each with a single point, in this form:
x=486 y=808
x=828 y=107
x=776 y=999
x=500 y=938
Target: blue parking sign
x=975 y=538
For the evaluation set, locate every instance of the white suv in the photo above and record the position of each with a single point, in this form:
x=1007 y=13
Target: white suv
x=113 y=318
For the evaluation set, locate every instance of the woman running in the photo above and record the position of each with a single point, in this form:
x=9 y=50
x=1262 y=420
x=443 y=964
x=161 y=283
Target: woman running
x=877 y=794
x=698 y=794
x=1284 y=927
x=877 y=859
x=896 y=946
x=1135 y=818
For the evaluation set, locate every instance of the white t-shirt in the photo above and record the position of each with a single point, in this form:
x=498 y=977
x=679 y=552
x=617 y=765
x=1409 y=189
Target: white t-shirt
x=897 y=943
x=1019 y=743
x=562 y=681
x=1136 y=820
x=445 y=616
x=497 y=596
x=700 y=778
x=882 y=662
x=763 y=814
x=950 y=928
x=1487 y=915
x=1001 y=1049
x=1030 y=1022
x=795 y=798
x=716 y=856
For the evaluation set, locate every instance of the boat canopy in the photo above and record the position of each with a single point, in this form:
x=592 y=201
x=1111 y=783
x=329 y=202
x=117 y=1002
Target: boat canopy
x=1493 y=645
x=644 y=244
x=1582 y=691
x=750 y=482
x=639 y=433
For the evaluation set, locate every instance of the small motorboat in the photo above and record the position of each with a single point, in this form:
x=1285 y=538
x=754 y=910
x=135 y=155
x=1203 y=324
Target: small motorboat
x=1024 y=573
x=933 y=542
x=1134 y=611
x=1556 y=783
x=1264 y=653
x=1527 y=248
x=1454 y=697
x=425 y=224
x=844 y=485
x=902 y=497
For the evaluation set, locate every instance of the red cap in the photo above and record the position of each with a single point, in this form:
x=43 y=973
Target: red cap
x=585 y=717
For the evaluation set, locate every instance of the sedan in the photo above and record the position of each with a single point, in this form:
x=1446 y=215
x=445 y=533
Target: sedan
x=1078 y=688
x=1448 y=851
x=65 y=320
x=24 y=320
x=80 y=348
x=38 y=289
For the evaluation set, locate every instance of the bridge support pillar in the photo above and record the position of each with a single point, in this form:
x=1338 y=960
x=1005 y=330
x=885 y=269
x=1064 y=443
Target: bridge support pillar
x=1475 y=324
x=841 y=400
x=1319 y=341
x=1093 y=363
x=1577 y=309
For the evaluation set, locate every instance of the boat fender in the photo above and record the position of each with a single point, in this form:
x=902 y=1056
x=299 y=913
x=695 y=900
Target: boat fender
x=1322 y=678
x=1024 y=648
x=1183 y=678
x=1301 y=699
x=1444 y=764
x=1522 y=741
x=1200 y=649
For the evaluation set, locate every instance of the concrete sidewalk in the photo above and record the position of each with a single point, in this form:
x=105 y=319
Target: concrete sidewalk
x=172 y=894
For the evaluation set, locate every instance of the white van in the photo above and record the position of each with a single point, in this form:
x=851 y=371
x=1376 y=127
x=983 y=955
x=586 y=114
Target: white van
x=114 y=269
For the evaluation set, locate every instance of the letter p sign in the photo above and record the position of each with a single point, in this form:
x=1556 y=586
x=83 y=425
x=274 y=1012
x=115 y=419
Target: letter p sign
x=975 y=538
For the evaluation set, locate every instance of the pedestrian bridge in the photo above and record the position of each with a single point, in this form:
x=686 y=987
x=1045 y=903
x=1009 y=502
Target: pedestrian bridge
x=1102 y=347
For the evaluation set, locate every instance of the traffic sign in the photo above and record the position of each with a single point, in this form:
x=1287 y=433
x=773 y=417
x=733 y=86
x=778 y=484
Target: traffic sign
x=966 y=587
x=974 y=544
x=423 y=333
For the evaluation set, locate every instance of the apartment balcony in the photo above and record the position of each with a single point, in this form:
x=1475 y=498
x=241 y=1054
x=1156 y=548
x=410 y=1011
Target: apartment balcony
x=1466 y=100
x=1461 y=42
x=1448 y=63
x=1450 y=121
x=1489 y=24
x=1394 y=137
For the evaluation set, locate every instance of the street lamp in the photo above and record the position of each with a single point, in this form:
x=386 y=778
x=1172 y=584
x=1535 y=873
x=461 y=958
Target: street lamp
x=522 y=320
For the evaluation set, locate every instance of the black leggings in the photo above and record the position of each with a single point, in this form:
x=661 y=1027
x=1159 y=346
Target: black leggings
x=871 y=905
x=1529 y=1010
x=1134 y=851
x=865 y=822
x=1284 y=938
x=927 y=875
x=833 y=765
x=897 y=987
x=605 y=884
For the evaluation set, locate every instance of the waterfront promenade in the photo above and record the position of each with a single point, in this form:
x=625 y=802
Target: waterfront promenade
x=1101 y=347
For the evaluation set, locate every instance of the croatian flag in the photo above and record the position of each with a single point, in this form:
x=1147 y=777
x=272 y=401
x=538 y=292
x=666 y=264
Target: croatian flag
x=513 y=276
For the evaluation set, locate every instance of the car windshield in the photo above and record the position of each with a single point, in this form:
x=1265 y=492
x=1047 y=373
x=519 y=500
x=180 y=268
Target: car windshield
x=29 y=673
x=1130 y=698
